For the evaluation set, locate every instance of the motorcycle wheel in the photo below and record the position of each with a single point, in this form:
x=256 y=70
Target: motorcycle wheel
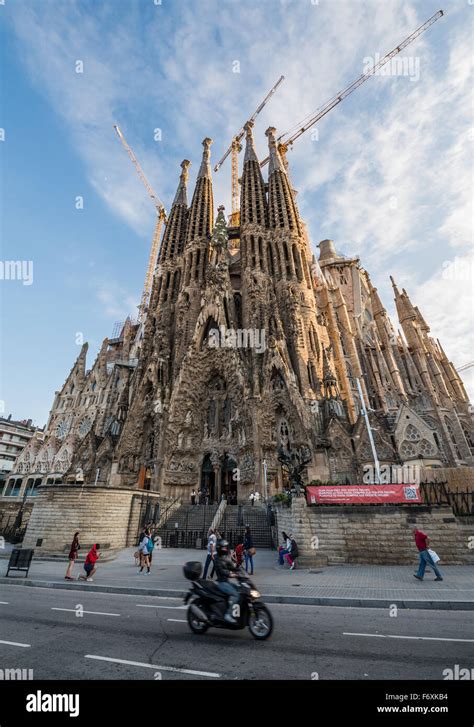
x=260 y=623
x=195 y=624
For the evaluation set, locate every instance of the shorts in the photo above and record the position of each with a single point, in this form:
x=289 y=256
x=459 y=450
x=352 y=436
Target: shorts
x=88 y=567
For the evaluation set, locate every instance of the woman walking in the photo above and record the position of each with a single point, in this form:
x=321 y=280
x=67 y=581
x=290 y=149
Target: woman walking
x=249 y=550
x=145 y=553
x=72 y=556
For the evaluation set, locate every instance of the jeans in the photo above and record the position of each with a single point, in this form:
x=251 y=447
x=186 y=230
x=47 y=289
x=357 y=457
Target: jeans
x=232 y=592
x=426 y=560
x=248 y=559
x=281 y=553
x=206 y=565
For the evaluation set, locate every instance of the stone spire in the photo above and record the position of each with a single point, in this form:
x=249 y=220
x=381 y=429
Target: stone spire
x=181 y=197
x=173 y=238
x=201 y=212
x=253 y=203
x=281 y=204
x=205 y=168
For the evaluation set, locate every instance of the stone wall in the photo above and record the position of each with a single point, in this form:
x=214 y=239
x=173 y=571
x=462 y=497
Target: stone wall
x=376 y=534
x=105 y=515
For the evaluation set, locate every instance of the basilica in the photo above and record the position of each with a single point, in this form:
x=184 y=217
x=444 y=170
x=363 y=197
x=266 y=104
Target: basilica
x=250 y=342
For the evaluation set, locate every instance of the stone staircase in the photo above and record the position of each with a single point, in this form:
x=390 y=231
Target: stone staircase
x=187 y=527
x=236 y=517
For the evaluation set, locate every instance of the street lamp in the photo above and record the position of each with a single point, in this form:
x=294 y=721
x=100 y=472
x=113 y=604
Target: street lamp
x=369 y=432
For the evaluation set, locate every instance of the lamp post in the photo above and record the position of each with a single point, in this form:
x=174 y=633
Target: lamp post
x=265 y=492
x=369 y=432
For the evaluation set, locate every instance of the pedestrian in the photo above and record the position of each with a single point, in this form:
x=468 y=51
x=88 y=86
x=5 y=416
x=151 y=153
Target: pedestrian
x=145 y=553
x=90 y=563
x=218 y=535
x=284 y=549
x=239 y=553
x=293 y=554
x=193 y=497
x=72 y=556
x=252 y=498
x=422 y=542
x=249 y=550
x=200 y=496
x=211 y=550
x=150 y=545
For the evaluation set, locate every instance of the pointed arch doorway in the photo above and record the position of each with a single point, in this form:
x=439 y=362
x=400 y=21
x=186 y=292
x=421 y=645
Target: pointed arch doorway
x=229 y=485
x=208 y=478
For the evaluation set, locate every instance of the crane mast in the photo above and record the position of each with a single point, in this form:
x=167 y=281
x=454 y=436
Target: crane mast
x=284 y=144
x=160 y=221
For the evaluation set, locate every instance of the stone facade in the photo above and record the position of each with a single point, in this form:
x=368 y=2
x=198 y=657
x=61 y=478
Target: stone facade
x=249 y=343
x=379 y=535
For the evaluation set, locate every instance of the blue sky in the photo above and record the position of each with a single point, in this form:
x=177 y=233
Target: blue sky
x=388 y=178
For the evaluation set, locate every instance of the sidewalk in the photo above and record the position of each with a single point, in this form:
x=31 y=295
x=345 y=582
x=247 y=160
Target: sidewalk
x=348 y=585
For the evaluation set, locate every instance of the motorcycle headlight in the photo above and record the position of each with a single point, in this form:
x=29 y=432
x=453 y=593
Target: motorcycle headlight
x=254 y=593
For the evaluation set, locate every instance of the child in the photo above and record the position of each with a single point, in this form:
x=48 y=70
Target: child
x=89 y=566
x=239 y=554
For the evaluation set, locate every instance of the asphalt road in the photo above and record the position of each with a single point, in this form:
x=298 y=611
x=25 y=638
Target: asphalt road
x=134 y=637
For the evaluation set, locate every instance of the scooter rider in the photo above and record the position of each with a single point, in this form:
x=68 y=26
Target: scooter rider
x=225 y=571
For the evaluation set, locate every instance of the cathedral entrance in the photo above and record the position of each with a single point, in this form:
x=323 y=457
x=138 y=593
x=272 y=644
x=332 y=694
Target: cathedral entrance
x=228 y=483
x=208 y=479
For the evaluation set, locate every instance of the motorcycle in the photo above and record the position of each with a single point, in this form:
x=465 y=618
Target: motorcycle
x=207 y=605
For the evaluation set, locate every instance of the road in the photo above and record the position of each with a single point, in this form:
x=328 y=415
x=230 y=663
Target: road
x=134 y=637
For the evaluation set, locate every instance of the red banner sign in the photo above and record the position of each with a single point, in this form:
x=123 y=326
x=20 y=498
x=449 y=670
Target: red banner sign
x=362 y=494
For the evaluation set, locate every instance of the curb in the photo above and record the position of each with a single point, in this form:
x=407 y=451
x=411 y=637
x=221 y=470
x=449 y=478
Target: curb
x=269 y=598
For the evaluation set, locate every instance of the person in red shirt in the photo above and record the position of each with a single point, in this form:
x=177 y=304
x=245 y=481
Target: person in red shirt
x=422 y=543
x=89 y=565
x=239 y=554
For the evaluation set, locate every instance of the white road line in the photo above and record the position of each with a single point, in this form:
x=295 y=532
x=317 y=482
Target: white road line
x=15 y=643
x=154 y=666
x=178 y=620
x=151 y=605
x=420 y=638
x=96 y=613
x=4 y=603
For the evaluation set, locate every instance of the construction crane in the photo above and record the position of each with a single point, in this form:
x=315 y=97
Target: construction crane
x=160 y=221
x=466 y=366
x=235 y=148
x=284 y=144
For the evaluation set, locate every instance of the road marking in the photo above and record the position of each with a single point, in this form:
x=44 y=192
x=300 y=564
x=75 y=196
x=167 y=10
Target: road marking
x=4 y=603
x=15 y=643
x=420 y=638
x=151 y=605
x=154 y=666
x=178 y=620
x=96 y=613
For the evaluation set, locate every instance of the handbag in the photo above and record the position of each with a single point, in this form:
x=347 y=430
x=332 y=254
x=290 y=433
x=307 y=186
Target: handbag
x=251 y=551
x=434 y=556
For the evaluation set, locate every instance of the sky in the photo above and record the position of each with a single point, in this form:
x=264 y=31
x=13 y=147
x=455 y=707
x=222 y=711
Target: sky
x=387 y=175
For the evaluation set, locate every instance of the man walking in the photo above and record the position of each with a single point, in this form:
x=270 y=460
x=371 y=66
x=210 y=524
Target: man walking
x=211 y=550
x=422 y=543
x=193 y=497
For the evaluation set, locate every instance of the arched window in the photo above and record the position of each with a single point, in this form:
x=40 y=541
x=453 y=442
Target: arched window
x=450 y=430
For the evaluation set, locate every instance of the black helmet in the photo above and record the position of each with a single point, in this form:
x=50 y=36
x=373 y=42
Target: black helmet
x=222 y=546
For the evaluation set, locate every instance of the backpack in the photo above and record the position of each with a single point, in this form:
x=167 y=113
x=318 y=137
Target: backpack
x=150 y=545
x=294 y=549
